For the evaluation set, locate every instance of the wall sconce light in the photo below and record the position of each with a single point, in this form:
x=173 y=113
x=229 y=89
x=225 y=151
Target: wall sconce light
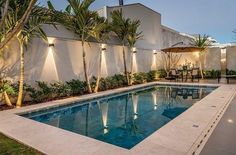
x=155 y=52
x=103 y=46
x=51 y=45
x=134 y=49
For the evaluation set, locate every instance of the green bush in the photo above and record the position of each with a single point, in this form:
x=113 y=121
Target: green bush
x=42 y=92
x=140 y=78
x=211 y=74
x=162 y=73
x=60 y=89
x=231 y=72
x=153 y=76
x=76 y=87
x=112 y=82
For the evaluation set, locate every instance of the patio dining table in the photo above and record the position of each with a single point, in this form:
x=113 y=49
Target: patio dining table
x=185 y=76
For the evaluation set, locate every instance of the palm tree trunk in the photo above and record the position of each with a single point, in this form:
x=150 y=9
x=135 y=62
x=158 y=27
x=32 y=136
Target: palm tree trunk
x=201 y=66
x=21 y=80
x=7 y=99
x=125 y=66
x=98 y=73
x=131 y=69
x=85 y=70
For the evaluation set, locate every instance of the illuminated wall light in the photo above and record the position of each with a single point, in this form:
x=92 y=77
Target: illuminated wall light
x=155 y=52
x=134 y=49
x=104 y=47
x=51 y=45
x=223 y=60
x=230 y=121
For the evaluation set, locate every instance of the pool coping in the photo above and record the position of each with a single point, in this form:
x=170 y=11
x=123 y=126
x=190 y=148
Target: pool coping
x=183 y=135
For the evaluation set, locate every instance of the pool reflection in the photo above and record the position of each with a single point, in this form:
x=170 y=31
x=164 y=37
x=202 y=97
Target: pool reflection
x=127 y=119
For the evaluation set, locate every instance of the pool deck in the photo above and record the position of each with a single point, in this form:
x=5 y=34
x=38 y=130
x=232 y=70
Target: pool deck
x=222 y=140
x=185 y=134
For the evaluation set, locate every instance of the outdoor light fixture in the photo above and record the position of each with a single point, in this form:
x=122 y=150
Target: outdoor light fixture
x=104 y=47
x=134 y=50
x=154 y=52
x=51 y=45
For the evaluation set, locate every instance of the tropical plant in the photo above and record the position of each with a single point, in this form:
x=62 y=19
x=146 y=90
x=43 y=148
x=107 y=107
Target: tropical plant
x=203 y=42
x=132 y=38
x=32 y=28
x=120 y=26
x=81 y=21
x=6 y=89
x=101 y=33
x=26 y=9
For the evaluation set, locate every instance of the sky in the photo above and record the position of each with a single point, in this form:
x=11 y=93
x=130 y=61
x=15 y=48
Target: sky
x=212 y=17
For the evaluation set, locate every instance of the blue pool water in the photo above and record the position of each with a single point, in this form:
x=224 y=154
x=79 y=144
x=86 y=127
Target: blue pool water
x=126 y=119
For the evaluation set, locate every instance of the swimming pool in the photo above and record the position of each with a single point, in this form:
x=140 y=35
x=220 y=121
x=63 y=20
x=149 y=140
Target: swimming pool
x=125 y=119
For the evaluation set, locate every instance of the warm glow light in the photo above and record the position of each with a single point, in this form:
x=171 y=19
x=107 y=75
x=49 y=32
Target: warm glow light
x=103 y=64
x=230 y=121
x=135 y=105
x=223 y=51
x=51 y=40
x=135 y=66
x=154 y=98
x=196 y=54
x=154 y=51
x=103 y=46
x=49 y=69
x=223 y=60
x=104 y=110
x=154 y=61
x=134 y=49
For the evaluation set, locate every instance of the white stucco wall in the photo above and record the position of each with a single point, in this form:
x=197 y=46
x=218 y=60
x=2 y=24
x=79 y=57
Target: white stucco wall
x=231 y=58
x=63 y=62
x=150 y=24
x=171 y=37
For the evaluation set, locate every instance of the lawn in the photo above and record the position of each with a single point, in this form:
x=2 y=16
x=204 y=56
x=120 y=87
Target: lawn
x=11 y=147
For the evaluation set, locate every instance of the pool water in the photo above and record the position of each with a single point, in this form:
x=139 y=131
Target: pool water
x=124 y=120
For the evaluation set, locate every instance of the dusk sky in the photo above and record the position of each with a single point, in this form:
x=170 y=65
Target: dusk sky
x=213 y=17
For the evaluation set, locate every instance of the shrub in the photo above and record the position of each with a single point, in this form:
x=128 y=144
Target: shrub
x=76 y=87
x=152 y=76
x=60 y=89
x=211 y=74
x=231 y=72
x=140 y=78
x=162 y=73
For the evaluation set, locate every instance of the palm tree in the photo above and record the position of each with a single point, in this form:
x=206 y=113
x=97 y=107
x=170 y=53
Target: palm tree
x=101 y=34
x=81 y=20
x=32 y=28
x=120 y=26
x=132 y=38
x=28 y=5
x=202 y=42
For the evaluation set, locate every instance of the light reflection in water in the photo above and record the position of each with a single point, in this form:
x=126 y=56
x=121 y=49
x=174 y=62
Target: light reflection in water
x=135 y=105
x=104 y=109
x=127 y=119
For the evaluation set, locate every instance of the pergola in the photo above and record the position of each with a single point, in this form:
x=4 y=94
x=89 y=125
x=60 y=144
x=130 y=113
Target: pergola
x=179 y=48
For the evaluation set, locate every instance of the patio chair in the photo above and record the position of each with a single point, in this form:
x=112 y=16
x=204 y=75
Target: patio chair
x=174 y=74
x=195 y=74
